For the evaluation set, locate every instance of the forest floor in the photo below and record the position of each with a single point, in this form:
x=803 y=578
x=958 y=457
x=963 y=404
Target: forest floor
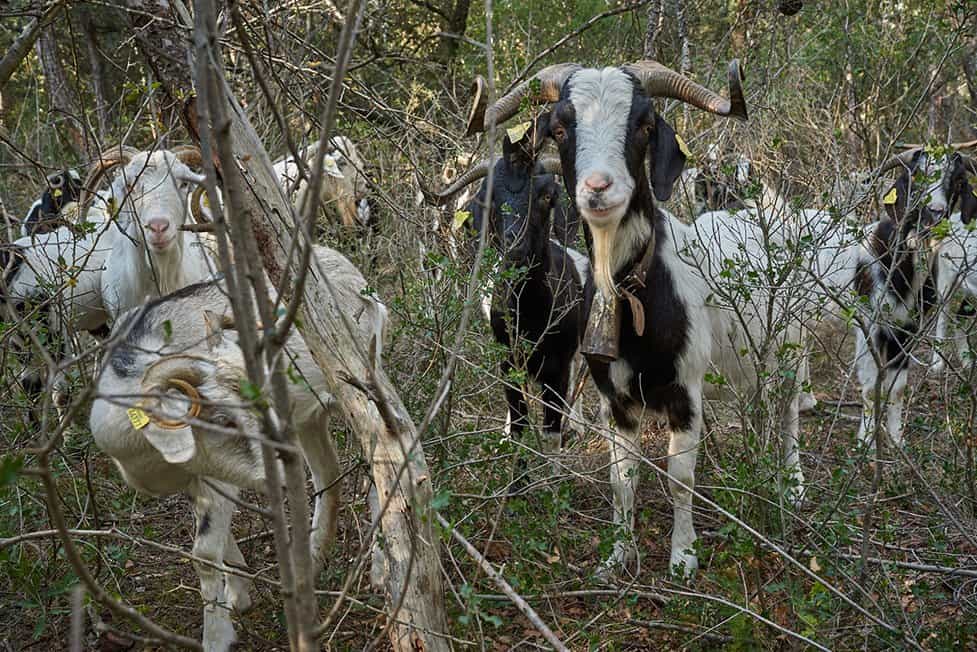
x=548 y=543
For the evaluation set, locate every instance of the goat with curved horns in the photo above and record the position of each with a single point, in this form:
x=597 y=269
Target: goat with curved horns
x=545 y=307
x=606 y=127
x=151 y=256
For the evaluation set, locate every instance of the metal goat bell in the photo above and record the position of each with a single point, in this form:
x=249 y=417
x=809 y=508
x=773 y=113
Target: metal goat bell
x=601 y=340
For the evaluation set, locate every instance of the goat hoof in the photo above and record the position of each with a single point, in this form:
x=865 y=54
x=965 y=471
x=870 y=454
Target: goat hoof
x=684 y=564
x=624 y=558
x=795 y=495
x=240 y=601
x=806 y=402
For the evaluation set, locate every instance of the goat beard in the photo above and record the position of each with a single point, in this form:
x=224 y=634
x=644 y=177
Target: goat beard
x=603 y=241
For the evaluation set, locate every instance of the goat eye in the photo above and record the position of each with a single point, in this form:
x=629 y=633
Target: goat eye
x=647 y=130
x=559 y=133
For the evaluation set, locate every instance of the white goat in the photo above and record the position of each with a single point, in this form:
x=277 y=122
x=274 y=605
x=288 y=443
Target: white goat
x=344 y=186
x=192 y=434
x=151 y=256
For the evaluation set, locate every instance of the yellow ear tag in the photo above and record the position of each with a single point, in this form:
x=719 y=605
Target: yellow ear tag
x=138 y=418
x=518 y=132
x=460 y=218
x=683 y=147
x=890 y=197
x=57 y=193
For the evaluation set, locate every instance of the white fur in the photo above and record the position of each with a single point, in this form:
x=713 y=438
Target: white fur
x=152 y=187
x=344 y=183
x=694 y=255
x=602 y=100
x=956 y=273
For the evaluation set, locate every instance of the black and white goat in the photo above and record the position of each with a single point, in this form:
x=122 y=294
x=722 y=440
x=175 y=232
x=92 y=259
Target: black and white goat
x=606 y=128
x=884 y=270
x=956 y=264
x=45 y=215
x=539 y=306
x=168 y=411
x=719 y=183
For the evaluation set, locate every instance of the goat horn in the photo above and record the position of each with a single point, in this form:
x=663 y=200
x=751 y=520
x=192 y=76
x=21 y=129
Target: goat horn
x=551 y=165
x=189 y=155
x=173 y=372
x=550 y=80
x=970 y=144
x=108 y=159
x=444 y=196
x=903 y=160
x=661 y=81
x=197 y=198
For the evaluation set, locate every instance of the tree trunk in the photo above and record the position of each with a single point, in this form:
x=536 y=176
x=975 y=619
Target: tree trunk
x=407 y=523
x=655 y=16
x=456 y=24
x=163 y=41
x=970 y=73
x=368 y=400
x=738 y=22
x=62 y=98
x=685 y=62
x=97 y=71
x=24 y=42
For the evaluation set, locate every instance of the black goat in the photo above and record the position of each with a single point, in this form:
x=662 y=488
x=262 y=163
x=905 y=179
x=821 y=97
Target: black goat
x=539 y=307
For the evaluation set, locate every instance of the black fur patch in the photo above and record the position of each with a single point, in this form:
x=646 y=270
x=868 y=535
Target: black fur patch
x=204 y=526
x=888 y=244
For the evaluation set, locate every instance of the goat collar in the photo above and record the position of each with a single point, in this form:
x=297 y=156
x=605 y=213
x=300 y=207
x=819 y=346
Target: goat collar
x=602 y=338
x=634 y=281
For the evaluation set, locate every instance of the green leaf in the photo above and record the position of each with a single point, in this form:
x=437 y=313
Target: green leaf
x=10 y=468
x=440 y=500
x=250 y=391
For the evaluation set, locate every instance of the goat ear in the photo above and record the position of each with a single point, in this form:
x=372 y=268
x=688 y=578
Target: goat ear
x=539 y=132
x=215 y=325
x=176 y=446
x=896 y=200
x=666 y=159
x=968 y=205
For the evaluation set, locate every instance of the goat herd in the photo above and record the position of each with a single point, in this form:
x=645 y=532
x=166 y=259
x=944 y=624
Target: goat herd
x=659 y=309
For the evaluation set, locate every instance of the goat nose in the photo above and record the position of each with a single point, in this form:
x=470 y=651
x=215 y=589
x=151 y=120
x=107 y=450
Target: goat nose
x=598 y=182
x=158 y=225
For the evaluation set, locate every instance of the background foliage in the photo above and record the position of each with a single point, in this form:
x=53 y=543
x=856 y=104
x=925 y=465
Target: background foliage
x=830 y=90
